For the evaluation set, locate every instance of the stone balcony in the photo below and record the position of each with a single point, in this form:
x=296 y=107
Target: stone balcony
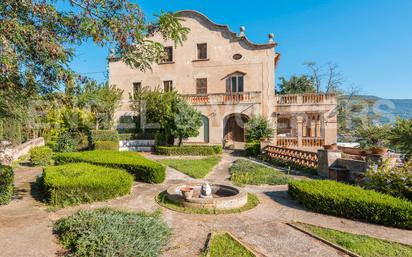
x=305 y=99
x=223 y=98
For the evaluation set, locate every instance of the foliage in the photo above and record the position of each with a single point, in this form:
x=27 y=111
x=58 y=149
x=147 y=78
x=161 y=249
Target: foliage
x=103 y=135
x=187 y=122
x=106 y=145
x=252 y=202
x=189 y=150
x=258 y=128
x=252 y=149
x=143 y=169
x=108 y=232
x=157 y=109
x=197 y=168
x=372 y=135
x=365 y=246
x=352 y=202
x=103 y=99
x=65 y=143
x=41 y=156
x=400 y=136
x=245 y=172
x=296 y=85
x=395 y=181
x=75 y=183
x=223 y=245
x=81 y=141
x=6 y=184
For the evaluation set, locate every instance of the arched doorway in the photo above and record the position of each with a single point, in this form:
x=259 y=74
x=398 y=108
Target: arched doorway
x=234 y=127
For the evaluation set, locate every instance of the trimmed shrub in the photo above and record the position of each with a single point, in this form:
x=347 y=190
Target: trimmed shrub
x=252 y=149
x=76 y=183
x=6 y=184
x=143 y=169
x=189 y=150
x=41 y=156
x=136 y=136
x=81 y=140
x=104 y=135
x=108 y=232
x=352 y=202
x=106 y=145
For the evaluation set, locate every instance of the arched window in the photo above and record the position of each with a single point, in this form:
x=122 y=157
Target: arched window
x=235 y=82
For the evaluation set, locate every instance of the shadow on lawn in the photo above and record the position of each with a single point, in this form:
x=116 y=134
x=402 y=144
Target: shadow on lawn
x=283 y=198
x=37 y=191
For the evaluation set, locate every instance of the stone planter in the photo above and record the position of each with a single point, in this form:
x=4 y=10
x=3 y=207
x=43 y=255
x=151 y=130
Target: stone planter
x=379 y=150
x=187 y=192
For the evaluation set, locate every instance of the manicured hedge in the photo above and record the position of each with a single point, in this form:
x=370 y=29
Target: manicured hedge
x=352 y=202
x=143 y=169
x=106 y=145
x=6 y=184
x=108 y=232
x=135 y=136
x=76 y=183
x=41 y=156
x=189 y=150
x=104 y=135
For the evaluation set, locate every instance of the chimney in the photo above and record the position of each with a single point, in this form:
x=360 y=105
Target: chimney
x=242 y=31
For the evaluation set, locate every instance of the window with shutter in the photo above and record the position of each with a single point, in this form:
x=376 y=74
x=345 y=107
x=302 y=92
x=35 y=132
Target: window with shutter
x=202 y=51
x=169 y=54
x=201 y=86
x=168 y=85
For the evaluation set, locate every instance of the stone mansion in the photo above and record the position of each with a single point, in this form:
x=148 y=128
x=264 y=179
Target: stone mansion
x=229 y=79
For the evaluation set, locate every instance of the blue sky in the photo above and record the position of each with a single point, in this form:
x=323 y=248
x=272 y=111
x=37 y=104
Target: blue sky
x=370 y=40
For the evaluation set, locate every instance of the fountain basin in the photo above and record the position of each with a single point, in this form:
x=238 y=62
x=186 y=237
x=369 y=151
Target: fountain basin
x=223 y=197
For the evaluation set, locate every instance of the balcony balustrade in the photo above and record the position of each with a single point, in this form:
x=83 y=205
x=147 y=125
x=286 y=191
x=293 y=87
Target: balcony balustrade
x=302 y=99
x=223 y=98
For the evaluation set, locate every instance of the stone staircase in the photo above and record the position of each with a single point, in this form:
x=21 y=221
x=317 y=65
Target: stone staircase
x=139 y=145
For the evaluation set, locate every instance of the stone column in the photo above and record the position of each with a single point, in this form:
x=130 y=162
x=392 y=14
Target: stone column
x=299 y=123
x=326 y=159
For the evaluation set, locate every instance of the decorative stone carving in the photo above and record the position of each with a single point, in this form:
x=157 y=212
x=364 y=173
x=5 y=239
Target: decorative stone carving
x=206 y=191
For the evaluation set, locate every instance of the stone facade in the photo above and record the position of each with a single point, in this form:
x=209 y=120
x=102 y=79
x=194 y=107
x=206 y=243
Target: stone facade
x=229 y=79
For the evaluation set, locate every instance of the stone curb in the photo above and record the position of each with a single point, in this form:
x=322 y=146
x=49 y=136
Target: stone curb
x=350 y=253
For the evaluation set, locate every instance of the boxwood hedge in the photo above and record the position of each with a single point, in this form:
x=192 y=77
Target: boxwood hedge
x=106 y=145
x=76 y=183
x=352 y=202
x=143 y=169
x=104 y=135
x=189 y=150
x=108 y=232
x=6 y=184
x=41 y=155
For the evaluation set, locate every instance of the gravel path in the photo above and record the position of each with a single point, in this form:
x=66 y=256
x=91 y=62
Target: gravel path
x=26 y=225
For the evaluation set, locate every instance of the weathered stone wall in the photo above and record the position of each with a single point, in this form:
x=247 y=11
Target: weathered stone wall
x=13 y=153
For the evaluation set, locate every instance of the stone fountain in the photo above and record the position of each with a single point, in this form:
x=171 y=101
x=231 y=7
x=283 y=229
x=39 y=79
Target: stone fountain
x=205 y=195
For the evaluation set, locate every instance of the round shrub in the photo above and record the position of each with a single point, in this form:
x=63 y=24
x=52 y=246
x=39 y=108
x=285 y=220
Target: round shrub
x=41 y=156
x=77 y=183
x=108 y=232
x=352 y=202
x=106 y=145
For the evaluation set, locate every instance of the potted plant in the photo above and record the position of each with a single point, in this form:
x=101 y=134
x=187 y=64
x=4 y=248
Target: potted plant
x=187 y=192
x=373 y=137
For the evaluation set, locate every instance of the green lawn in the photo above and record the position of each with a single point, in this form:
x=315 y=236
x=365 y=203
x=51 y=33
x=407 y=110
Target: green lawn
x=245 y=172
x=363 y=245
x=223 y=245
x=161 y=199
x=196 y=168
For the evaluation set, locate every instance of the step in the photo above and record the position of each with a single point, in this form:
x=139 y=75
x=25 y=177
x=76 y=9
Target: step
x=137 y=149
x=135 y=143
